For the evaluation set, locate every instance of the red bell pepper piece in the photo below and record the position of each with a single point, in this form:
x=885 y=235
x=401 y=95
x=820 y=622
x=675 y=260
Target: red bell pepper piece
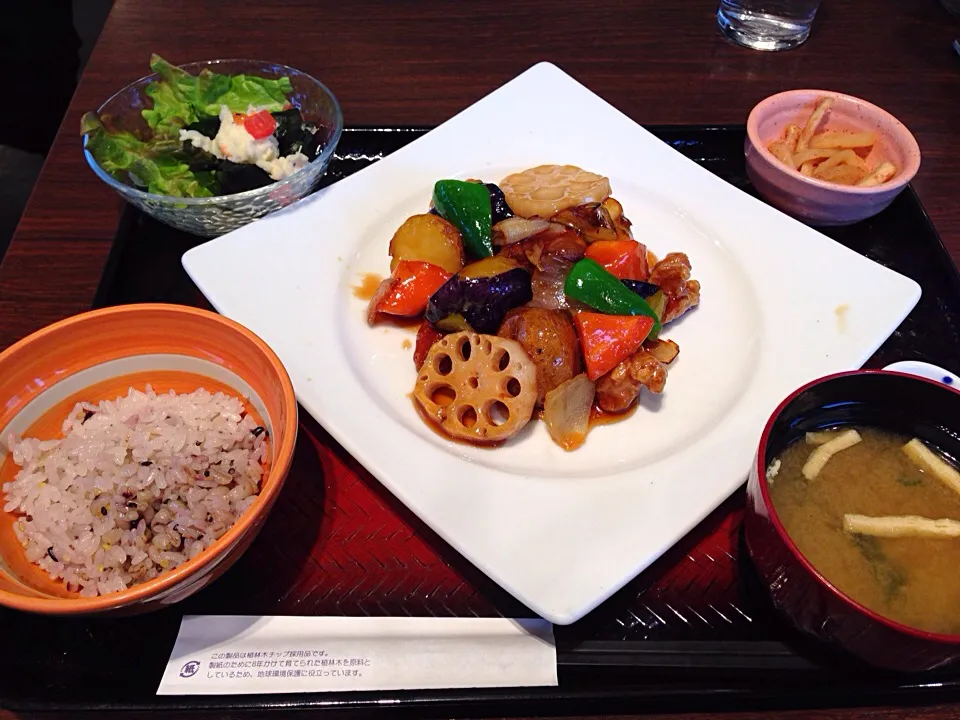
x=626 y=259
x=406 y=292
x=260 y=124
x=427 y=335
x=606 y=340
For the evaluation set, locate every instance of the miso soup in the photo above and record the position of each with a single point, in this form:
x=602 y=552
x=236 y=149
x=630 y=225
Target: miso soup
x=912 y=577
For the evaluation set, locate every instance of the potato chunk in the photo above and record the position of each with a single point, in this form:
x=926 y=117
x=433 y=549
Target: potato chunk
x=427 y=238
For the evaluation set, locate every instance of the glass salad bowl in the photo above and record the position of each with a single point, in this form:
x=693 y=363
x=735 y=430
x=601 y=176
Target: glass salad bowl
x=216 y=215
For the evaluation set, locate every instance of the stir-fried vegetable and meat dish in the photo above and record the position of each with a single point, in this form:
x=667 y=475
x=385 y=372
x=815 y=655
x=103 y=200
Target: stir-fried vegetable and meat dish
x=536 y=301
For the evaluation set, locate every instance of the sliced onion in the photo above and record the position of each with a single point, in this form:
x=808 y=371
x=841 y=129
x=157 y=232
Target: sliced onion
x=514 y=229
x=591 y=220
x=566 y=410
x=547 y=284
x=665 y=351
x=613 y=208
x=620 y=221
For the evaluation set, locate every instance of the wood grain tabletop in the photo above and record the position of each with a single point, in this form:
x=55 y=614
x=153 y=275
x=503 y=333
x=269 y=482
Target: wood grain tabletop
x=401 y=62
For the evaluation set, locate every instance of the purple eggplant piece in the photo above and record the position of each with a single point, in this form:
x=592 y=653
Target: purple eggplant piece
x=481 y=301
x=641 y=288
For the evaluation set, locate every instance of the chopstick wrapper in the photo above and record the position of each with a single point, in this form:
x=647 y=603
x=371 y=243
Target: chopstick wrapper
x=217 y=655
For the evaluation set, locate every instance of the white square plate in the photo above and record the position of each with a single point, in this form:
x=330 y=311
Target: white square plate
x=782 y=304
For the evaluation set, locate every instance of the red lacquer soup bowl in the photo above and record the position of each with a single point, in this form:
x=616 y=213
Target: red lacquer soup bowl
x=893 y=401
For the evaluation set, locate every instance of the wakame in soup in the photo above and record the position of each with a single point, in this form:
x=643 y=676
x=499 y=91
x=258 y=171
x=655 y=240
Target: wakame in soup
x=878 y=515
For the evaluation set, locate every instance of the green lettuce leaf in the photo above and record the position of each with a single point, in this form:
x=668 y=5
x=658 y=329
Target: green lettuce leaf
x=180 y=98
x=166 y=175
x=244 y=91
x=175 y=96
x=210 y=86
x=154 y=164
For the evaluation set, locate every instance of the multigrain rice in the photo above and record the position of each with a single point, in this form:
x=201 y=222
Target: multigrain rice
x=135 y=487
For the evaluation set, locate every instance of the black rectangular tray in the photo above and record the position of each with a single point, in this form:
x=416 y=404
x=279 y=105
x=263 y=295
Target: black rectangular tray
x=693 y=632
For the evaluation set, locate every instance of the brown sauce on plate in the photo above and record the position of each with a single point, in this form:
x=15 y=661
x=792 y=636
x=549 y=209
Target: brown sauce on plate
x=599 y=417
x=369 y=282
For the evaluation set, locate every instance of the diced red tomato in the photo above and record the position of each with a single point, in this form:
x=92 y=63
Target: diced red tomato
x=606 y=340
x=627 y=259
x=407 y=290
x=427 y=335
x=260 y=124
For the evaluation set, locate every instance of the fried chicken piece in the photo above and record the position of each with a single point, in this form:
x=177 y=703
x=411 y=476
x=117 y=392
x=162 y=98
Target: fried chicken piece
x=678 y=305
x=672 y=275
x=619 y=388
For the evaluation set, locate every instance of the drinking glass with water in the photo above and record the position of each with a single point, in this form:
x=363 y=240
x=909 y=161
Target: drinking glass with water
x=767 y=24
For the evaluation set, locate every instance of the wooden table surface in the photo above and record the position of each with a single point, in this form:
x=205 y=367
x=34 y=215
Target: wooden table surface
x=404 y=62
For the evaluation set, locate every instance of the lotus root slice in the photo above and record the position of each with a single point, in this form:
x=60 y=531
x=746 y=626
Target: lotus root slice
x=478 y=388
x=545 y=190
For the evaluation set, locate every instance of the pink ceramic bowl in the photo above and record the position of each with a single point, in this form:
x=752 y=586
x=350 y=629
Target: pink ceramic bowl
x=816 y=201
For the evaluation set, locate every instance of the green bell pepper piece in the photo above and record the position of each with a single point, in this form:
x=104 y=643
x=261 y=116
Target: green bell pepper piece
x=467 y=206
x=588 y=282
